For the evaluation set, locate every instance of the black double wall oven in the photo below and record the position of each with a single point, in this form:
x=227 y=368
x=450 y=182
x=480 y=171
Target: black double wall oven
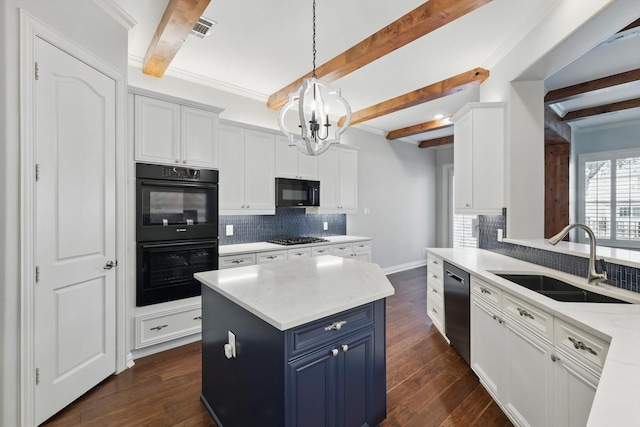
x=176 y=230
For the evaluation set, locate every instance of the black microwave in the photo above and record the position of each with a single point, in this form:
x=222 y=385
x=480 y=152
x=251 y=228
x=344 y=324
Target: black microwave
x=297 y=193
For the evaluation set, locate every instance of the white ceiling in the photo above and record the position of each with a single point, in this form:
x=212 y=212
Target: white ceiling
x=260 y=46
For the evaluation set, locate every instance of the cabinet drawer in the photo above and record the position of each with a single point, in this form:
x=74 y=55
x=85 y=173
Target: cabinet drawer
x=168 y=325
x=330 y=328
x=343 y=249
x=361 y=247
x=434 y=279
x=436 y=293
x=529 y=316
x=582 y=345
x=320 y=250
x=436 y=313
x=434 y=264
x=273 y=256
x=299 y=253
x=232 y=261
x=486 y=292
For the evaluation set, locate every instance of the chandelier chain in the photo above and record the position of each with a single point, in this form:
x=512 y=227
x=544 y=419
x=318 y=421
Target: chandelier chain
x=314 y=39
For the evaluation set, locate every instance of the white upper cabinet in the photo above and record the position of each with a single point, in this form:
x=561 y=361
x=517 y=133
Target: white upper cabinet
x=247 y=171
x=338 y=169
x=478 y=154
x=292 y=163
x=168 y=132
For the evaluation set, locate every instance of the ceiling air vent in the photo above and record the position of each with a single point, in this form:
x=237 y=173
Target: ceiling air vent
x=202 y=27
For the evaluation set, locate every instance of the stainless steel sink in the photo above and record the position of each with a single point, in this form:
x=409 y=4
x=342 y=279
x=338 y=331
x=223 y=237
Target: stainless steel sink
x=557 y=289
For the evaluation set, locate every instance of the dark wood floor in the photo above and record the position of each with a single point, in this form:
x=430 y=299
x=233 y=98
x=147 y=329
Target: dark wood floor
x=428 y=383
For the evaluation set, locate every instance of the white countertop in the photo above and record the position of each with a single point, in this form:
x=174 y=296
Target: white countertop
x=292 y=293
x=618 y=391
x=613 y=255
x=243 y=248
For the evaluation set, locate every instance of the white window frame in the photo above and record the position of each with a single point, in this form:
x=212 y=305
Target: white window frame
x=602 y=156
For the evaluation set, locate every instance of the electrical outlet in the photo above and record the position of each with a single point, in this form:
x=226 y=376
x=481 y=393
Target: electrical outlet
x=500 y=235
x=325 y=226
x=229 y=230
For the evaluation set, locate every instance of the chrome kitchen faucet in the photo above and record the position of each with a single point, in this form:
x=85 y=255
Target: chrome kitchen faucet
x=594 y=278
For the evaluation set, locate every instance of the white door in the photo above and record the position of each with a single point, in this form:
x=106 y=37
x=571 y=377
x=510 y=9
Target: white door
x=75 y=229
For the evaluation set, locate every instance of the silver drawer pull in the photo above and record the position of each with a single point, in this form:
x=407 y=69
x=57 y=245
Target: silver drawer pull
x=524 y=313
x=272 y=257
x=485 y=290
x=582 y=346
x=321 y=252
x=434 y=276
x=336 y=326
x=498 y=319
x=157 y=328
x=434 y=310
x=554 y=358
x=237 y=261
x=299 y=253
x=434 y=290
x=197 y=318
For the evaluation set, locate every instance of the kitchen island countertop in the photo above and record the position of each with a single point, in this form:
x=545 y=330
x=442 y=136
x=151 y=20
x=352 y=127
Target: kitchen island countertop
x=296 y=292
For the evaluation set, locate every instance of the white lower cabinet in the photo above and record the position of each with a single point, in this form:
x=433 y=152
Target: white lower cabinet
x=167 y=325
x=487 y=353
x=435 y=293
x=232 y=261
x=270 y=257
x=528 y=377
x=542 y=370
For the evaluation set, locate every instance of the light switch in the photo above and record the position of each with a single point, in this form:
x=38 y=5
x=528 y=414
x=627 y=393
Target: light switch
x=229 y=230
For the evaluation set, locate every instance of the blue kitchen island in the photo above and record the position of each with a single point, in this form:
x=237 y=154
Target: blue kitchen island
x=309 y=343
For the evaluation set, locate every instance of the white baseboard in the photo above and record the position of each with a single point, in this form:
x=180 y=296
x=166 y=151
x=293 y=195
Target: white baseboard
x=153 y=349
x=403 y=267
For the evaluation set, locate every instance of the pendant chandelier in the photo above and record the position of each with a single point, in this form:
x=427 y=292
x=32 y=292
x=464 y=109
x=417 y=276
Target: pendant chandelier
x=313 y=100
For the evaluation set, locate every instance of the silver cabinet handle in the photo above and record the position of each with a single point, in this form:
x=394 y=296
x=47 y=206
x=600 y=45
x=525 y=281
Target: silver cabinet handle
x=110 y=264
x=299 y=253
x=579 y=345
x=434 y=310
x=197 y=318
x=334 y=352
x=485 y=290
x=525 y=313
x=345 y=348
x=272 y=257
x=159 y=327
x=554 y=358
x=321 y=252
x=498 y=319
x=336 y=326
x=237 y=261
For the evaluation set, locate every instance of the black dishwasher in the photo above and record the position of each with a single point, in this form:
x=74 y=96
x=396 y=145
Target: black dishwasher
x=456 y=308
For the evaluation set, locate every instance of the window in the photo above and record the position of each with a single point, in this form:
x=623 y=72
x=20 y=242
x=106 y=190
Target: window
x=611 y=196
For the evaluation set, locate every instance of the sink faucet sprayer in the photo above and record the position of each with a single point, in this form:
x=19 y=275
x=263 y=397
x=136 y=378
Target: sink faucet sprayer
x=593 y=278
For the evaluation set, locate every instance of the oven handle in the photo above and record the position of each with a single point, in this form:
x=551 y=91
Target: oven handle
x=180 y=184
x=174 y=244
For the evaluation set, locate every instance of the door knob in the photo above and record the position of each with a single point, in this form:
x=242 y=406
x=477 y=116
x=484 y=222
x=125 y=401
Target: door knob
x=110 y=264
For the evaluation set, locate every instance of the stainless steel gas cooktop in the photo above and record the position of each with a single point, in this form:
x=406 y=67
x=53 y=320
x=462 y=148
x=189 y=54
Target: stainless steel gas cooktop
x=297 y=240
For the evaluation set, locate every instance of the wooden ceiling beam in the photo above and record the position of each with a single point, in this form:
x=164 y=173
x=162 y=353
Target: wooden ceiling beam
x=421 y=21
x=437 y=90
x=634 y=24
x=601 y=109
x=435 y=142
x=419 y=128
x=178 y=20
x=591 y=87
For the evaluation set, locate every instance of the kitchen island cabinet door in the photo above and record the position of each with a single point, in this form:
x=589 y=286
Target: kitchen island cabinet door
x=334 y=386
x=313 y=389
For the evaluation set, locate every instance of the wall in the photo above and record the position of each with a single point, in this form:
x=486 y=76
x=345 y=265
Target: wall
x=110 y=46
x=444 y=156
x=397 y=184
x=396 y=180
